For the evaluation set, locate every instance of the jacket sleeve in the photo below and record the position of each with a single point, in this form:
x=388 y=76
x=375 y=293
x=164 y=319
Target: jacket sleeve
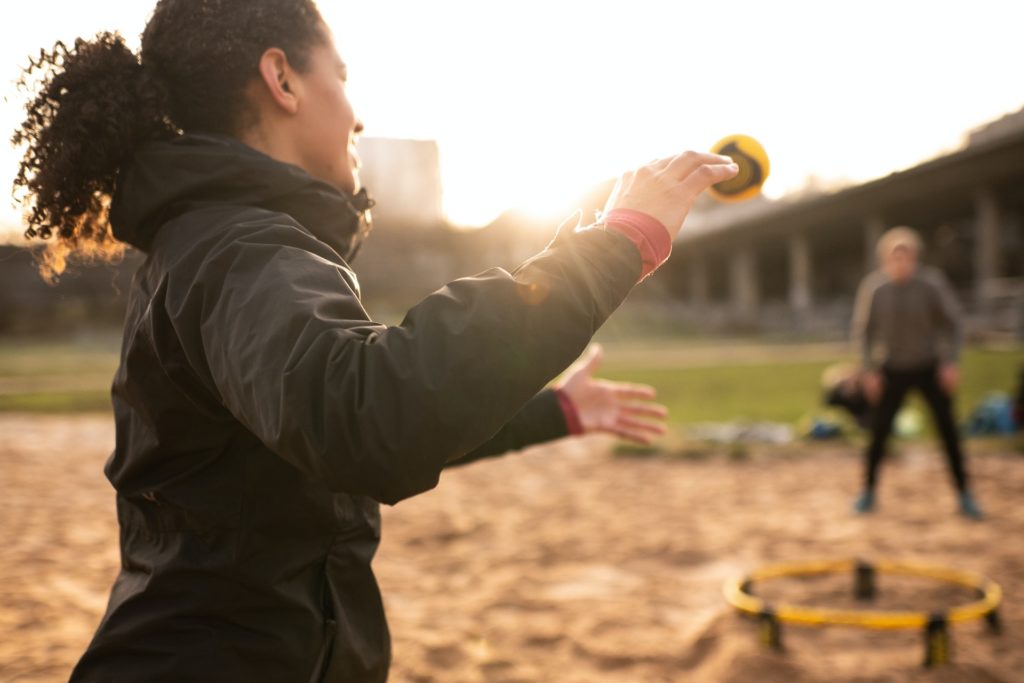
x=539 y=421
x=271 y=317
x=863 y=326
x=948 y=316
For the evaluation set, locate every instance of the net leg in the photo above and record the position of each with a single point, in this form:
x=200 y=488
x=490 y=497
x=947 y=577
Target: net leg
x=864 y=581
x=995 y=624
x=937 y=642
x=770 y=630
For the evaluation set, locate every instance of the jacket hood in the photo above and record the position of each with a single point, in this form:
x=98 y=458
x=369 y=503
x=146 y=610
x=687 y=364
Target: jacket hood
x=168 y=178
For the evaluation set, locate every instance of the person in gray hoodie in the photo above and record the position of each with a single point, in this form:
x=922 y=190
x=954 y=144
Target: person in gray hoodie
x=907 y=327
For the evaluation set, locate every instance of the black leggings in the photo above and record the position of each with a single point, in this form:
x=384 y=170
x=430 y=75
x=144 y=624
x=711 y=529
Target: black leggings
x=897 y=384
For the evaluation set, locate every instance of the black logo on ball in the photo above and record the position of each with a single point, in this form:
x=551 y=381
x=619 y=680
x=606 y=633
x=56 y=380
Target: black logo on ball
x=749 y=175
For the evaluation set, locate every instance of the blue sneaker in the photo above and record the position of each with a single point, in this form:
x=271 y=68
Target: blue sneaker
x=969 y=507
x=865 y=502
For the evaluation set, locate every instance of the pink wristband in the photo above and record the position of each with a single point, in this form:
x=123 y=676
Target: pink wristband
x=569 y=412
x=646 y=232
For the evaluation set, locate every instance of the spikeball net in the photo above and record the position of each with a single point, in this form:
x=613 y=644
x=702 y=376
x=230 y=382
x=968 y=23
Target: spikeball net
x=935 y=626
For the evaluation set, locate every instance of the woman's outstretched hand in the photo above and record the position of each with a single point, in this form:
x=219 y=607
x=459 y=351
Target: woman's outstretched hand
x=626 y=410
x=665 y=189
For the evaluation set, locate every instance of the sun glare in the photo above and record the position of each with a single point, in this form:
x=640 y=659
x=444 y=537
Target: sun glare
x=532 y=102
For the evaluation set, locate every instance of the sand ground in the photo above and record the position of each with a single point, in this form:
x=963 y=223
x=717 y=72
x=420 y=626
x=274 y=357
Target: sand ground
x=565 y=563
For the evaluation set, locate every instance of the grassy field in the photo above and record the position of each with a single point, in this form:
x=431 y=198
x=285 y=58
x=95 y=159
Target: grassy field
x=698 y=380
x=781 y=383
x=46 y=377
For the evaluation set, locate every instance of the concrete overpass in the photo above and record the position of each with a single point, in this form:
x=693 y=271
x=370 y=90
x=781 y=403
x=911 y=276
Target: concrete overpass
x=796 y=264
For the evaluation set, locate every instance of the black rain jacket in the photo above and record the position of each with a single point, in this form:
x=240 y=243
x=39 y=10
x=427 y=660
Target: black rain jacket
x=261 y=415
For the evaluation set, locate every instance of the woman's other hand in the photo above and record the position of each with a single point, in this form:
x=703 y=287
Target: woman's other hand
x=626 y=410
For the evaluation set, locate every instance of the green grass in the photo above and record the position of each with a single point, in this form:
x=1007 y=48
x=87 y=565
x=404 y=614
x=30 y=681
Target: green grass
x=781 y=392
x=70 y=377
x=698 y=381
x=786 y=391
x=95 y=401
x=33 y=359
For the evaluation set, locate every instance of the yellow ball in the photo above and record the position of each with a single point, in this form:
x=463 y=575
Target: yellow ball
x=750 y=156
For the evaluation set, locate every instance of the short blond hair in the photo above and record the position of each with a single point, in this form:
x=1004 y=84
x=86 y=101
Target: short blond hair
x=899 y=237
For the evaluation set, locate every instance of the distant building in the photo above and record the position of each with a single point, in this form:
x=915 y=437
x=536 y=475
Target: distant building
x=404 y=177
x=788 y=266
x=795 y=264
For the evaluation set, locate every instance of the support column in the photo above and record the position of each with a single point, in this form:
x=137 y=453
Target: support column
x=698 y=282
x=744 y=285
x=799 y=274
x=874 y=228
x=987 y=225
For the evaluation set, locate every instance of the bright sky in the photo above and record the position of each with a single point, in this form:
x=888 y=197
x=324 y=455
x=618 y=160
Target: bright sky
x=532 y=101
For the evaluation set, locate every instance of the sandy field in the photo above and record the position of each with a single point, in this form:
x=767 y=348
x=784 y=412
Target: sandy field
x=565 y=563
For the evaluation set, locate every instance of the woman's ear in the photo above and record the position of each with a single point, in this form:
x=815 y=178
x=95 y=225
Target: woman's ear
x=278 y=79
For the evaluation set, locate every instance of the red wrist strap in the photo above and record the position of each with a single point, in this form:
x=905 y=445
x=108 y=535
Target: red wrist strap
x=646 y=232
x=569 y=412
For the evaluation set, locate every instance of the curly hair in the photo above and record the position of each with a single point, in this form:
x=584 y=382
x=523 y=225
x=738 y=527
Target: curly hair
x=96 y=102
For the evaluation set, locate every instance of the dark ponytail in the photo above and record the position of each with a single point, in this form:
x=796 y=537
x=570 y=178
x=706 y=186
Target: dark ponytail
x=94 y=105
x=96 y=102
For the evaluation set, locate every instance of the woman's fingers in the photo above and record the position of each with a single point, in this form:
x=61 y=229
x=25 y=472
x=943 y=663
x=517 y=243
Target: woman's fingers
x=625 y=390
x=652 y=428
x=666 y=188
x=655 y=410
x=682 y=165
x=706 y=175
x=637 y=430
x=660 y=164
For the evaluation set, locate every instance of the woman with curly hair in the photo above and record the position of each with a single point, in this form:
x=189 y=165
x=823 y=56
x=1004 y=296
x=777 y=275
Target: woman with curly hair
x=261 y=414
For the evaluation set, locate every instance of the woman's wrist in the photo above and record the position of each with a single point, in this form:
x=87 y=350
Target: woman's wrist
x=573 y=424
x=649 y=235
